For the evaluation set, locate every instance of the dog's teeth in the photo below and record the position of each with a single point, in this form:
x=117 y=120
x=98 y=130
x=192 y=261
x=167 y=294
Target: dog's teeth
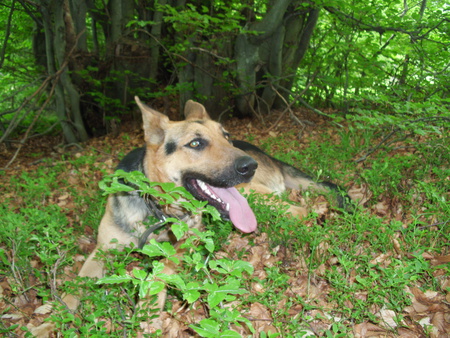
x=202 y=185
x=227 y=208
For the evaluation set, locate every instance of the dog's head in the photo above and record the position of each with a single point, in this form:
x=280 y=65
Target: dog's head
x=197 y=153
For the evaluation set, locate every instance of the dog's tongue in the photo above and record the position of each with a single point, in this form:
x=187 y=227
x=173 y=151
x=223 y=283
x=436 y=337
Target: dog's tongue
x=241 y=215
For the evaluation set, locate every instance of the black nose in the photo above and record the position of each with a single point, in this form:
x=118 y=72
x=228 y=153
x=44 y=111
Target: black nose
x=246 y=166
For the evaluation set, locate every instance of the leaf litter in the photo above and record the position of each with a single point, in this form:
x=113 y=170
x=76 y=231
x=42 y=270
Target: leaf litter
x=427 y=315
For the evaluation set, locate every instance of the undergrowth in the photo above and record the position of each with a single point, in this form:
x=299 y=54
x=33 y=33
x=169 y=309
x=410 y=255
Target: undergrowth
x=340 y=269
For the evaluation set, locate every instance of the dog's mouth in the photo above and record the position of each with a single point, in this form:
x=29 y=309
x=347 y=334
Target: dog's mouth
x=228 y=201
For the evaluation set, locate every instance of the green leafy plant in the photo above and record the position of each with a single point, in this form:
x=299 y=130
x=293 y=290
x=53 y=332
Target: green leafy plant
x=224 y=277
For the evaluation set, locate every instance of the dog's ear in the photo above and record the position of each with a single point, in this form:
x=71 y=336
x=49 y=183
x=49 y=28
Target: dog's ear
x=155 y=123
x=195 y=111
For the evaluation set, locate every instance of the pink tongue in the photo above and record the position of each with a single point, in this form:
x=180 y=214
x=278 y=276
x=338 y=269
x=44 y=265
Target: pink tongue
x=241 y=215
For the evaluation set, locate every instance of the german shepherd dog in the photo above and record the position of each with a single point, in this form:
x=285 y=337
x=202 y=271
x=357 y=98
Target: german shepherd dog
x=198 y=154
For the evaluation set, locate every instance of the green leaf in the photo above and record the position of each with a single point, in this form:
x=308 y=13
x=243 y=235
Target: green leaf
x=230 y=334
x=207 y=328
x=150 y=288
x=175 y=280
x=114 y=279
x=218 y=294
x=155 y=248
x=234 y=268
x=179 y=229
x=140 y=274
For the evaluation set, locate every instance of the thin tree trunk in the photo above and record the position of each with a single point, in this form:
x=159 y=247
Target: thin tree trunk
x=59 y=91
x=73 y=115
x=156 y=43
x=7 y=33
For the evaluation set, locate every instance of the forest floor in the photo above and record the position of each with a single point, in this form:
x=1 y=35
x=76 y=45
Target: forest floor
x=303 y=301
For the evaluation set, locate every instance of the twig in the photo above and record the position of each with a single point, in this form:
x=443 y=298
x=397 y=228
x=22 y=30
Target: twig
x=49 y=129
x=54 y=272
x=372 y=150
x=16 y=272
x=289 y=105
x=423 y=227
x=210 y=53
x=395 y=130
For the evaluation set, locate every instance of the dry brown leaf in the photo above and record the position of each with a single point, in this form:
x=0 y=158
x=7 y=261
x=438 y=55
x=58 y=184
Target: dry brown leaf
x=367 y=329
x=12 y=316
x=387 y=318
x=407 y=333
x=321 y=206
x=397 y=247
x=438 y=260
x=44 y=309
x=41 y=331
x=382 y=259
x=262 y=318
x=438 y=321
x=360 y=193
x=381 y=208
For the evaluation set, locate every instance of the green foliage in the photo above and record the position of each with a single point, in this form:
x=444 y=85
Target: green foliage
x=416 y=180
x=166 y=193
x=381 y=56
x=398 y=58
x=335 y=269
x=224 y=277
x=35 y=235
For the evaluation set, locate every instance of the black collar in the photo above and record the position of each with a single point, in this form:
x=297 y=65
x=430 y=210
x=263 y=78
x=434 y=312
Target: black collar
x=155 y=211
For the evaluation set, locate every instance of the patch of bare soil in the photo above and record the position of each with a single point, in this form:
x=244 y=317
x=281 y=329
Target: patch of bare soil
x=27 y=309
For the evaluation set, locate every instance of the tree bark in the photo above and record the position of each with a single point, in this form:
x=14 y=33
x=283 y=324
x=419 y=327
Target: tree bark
x=250 y=57
x=155 y=44
x=7 y=33
x=69 y=97
x=299 y=30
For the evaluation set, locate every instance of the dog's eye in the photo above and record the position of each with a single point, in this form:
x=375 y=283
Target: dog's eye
x=195 y=144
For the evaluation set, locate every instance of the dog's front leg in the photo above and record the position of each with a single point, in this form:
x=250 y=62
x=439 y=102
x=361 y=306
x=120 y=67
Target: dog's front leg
x=110 y=236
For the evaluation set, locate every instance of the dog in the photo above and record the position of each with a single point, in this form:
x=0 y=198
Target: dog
x=198 y=154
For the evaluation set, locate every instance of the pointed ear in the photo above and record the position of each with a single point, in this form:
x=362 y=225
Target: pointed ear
x=195 y=111
x=155 y=123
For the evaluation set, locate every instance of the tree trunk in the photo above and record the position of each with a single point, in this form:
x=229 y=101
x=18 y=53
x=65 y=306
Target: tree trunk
x=68 y=99
x=7 y=32
x=155 y=44
x=68 y=132
x=214 y=60
x=250 y=56
x=299 y=30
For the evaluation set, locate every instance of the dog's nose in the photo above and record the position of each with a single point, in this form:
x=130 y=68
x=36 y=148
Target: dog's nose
x=246 y=166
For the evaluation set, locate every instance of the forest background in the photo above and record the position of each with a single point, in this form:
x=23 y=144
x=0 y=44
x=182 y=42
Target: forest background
x=76 y=65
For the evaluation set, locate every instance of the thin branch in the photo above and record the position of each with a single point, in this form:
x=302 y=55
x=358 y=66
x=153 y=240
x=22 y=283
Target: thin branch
x=395 y=130
x=374 y=149
x=210 y=53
